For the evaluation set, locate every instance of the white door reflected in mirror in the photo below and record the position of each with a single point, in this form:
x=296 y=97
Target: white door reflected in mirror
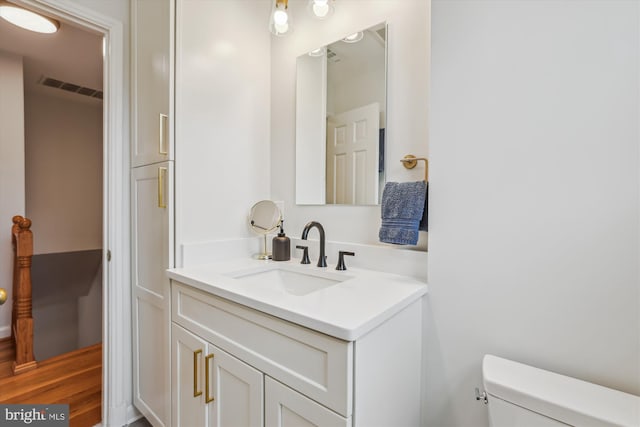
x=352 y=156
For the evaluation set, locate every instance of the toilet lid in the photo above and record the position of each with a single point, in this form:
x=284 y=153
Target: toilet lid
x=563 y=398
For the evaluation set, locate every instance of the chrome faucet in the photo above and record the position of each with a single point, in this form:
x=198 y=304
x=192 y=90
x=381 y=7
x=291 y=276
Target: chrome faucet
x=322 y=260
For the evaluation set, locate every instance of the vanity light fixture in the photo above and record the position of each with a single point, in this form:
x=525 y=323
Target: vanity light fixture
x=354 y=38
x=27 y=19
x=280 y=20
x=321 y=9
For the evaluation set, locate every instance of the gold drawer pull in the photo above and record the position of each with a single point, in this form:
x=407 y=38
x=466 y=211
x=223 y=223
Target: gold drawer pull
x=196 y=392
x=207 y=397
x=162 y=174
x=162 y=146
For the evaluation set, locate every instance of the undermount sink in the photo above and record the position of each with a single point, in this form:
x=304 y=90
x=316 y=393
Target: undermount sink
x=291 y=280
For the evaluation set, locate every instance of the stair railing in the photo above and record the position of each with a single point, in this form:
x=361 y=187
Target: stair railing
x=21 y=316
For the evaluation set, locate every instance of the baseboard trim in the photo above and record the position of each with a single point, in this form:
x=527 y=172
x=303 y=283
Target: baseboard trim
x=133 y=414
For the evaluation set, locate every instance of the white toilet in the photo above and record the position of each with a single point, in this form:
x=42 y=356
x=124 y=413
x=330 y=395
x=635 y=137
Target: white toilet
x=523 y=396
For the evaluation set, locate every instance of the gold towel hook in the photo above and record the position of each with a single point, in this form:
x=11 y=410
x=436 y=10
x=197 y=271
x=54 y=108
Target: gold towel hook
x=410 y=161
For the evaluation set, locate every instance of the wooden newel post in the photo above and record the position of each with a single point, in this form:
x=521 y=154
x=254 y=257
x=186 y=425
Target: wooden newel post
x=22 y=319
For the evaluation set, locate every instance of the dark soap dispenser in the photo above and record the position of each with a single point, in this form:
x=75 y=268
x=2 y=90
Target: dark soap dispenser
x=281 y=246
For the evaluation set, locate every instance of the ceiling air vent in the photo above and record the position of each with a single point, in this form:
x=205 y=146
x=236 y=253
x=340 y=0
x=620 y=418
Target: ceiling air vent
x=332 y=56
x=70 y=87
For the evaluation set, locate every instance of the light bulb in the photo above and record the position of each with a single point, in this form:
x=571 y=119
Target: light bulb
x=281 y=28
x=280 y=20
x=320 y=10
x=28 y=20
x=280 y=17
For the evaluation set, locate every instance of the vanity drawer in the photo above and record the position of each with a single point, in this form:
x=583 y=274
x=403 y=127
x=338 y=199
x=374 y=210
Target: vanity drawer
x=317 y=365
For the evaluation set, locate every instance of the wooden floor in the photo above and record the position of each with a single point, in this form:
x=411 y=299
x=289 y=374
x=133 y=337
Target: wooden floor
x=74 y=378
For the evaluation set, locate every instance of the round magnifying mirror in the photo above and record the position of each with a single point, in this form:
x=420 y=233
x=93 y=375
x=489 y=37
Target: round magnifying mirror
x=265 y=217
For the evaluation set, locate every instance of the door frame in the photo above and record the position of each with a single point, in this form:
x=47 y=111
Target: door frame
x=117 y=409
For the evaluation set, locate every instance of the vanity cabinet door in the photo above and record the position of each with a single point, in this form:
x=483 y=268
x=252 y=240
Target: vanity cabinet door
x=152 y=44
x=187 y=354
x=285 y=407
x=152 y=254
x=211 y=387
x=235 y=391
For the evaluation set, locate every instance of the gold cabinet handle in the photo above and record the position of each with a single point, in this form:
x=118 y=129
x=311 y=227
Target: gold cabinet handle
x=196 y=392
x=162 y=174
x=3 y=296
x=162 y=146
x=207 y=397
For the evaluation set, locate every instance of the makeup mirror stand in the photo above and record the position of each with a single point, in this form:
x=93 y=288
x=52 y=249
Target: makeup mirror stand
x=265 y=217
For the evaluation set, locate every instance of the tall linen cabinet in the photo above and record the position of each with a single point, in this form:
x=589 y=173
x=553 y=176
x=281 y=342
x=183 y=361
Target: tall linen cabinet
x=152 y=204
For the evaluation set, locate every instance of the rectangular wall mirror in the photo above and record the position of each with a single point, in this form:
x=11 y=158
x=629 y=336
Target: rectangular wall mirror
x=341 y=102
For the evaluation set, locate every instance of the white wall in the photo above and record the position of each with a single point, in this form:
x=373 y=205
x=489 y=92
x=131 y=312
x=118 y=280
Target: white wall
x=533 y=242
x=408 y=73
x=11 y=171
x=63 y=144
x=222 y=117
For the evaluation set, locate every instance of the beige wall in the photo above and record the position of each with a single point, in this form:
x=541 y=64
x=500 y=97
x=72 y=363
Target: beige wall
x=11 y=170
x=63 y=147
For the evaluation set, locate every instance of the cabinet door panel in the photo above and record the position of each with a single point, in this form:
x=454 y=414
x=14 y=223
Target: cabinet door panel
x=237 y=389
x=285 y=407
x=188 y=383
x=150 y=359
x=152 y=242
x=152 y=39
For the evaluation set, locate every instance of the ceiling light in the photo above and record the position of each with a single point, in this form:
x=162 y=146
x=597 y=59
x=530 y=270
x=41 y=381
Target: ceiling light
x=321 y=9
x=317 y=52
x=27 y=19
x=354 y=38
x=280 y=20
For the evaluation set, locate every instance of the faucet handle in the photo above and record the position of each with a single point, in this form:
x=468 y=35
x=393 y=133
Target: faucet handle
x=341 y=265
x=305 y=254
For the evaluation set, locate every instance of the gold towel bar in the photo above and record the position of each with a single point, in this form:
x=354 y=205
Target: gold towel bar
x=410 y=161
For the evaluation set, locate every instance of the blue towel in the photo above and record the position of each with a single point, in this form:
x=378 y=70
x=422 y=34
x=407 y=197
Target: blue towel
x=402 y=208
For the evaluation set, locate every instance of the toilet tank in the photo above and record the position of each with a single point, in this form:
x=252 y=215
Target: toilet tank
x=523 y=396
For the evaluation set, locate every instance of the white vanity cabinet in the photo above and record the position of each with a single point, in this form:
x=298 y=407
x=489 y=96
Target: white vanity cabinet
x=309 y=378
x=152 y=64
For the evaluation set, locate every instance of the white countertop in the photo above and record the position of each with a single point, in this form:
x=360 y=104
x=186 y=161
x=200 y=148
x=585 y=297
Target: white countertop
x=346 y=310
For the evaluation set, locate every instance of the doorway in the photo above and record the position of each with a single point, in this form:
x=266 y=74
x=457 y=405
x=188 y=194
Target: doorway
x=62 y=94
x=114 y=252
